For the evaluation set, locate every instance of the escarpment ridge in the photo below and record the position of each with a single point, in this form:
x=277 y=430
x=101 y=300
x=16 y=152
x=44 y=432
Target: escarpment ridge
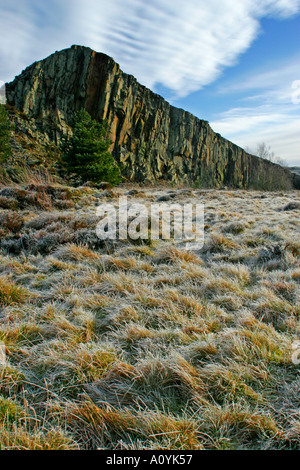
x=150 y=138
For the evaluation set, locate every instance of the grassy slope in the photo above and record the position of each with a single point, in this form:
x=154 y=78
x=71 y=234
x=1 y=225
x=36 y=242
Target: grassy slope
x=132 y=346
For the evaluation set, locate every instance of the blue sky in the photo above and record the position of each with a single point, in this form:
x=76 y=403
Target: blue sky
x=232 y=63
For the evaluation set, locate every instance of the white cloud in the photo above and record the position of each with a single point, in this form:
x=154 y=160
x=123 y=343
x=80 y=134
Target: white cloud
x=181 y=45
x=281 y=8
x=269 y=114
x=274 y=78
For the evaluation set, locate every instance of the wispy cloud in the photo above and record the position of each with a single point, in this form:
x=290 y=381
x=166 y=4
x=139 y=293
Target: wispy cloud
x=273 y=78
x=267 y=113
x=180 y=45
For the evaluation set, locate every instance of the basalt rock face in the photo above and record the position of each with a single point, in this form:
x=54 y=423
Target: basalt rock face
x=152 y=139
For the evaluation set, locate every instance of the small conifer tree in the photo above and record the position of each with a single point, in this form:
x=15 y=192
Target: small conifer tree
x=85 y=154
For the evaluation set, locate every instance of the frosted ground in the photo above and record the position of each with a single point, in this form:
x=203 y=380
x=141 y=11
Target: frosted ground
x=147 y=345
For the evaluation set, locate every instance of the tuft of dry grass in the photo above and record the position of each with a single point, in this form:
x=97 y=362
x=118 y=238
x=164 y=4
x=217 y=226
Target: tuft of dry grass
x=10 y=293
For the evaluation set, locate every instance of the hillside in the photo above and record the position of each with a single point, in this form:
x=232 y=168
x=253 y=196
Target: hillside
x=151 y=139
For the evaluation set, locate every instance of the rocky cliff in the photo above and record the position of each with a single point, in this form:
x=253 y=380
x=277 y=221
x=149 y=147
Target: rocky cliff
x=151 y=138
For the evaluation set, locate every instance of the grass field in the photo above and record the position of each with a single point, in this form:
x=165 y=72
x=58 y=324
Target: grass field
x=126 y=345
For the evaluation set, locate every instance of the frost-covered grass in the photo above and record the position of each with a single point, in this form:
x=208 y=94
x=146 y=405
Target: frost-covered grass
x=148 y=345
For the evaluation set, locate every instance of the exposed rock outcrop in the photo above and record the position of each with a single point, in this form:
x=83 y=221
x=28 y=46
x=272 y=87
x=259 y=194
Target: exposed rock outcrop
x=151 y=138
